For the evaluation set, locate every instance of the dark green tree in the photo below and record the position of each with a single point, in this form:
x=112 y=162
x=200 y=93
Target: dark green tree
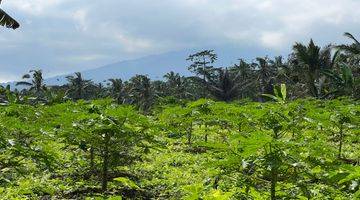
x=265 y=73
x=313 y=60
x=224 y=85
x=37 y=84
x=141 y=93
x=117 y=90
x=246 y=73
x=77 y=86
x=202 y=62
x=202 y=66
x=176 y=84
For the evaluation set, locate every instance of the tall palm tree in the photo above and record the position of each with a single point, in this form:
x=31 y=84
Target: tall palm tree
x=141 y=92
x=313 y=59
x=36 y=84
x=176 y=85
x=246 y=73
x=225 y=86
x=171 y=78
x=78 y=85
x=282 y=70
x=7 y=21
x=117 y=90
x=265 y=73
x=243 y=68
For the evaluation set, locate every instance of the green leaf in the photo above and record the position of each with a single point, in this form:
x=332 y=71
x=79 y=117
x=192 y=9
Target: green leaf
x=126 y=182
x=283 y=92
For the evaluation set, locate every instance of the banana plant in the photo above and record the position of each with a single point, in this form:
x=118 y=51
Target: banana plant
x=279 y=95
x=344 y=82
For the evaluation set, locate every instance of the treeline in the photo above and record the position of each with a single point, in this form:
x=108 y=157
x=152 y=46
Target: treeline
x=309 y=71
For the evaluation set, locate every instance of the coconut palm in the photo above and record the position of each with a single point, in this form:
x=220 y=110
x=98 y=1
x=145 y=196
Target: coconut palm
x=171 y=78
x=36 y=84
x=176 y=85
x=265 y=73
x=117 y=90
x=7 y=21
x=141 y=92
x=224 y=85
x=246 y=74
x=77 y=86
x=313 y=59
x=243 y=68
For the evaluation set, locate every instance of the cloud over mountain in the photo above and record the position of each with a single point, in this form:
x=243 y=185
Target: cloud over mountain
x=62 y=36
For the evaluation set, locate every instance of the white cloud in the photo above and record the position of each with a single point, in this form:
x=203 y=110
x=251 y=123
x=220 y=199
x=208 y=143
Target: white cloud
x=34 y=7
x=80 y=30
x=80 y=17
x=273 y=40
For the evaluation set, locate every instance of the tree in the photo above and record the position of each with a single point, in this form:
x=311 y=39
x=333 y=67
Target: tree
x=313 y=60
x=246 y=74
x=265 y=75
x=202 y=66
x=224 y=86
x=141 y=92
x=176 y=84
x=37 y=83
x=343 y=82
x=283 y=72
x=77 y=86
x=202 y=62
x=7 y=21
x=244 y=69
x=117 y=90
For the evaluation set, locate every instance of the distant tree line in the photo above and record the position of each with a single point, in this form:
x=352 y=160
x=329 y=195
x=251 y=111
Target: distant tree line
x=309 y=71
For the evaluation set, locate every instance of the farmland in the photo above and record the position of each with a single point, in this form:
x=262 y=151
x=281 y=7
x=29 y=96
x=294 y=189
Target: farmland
x=305 y=149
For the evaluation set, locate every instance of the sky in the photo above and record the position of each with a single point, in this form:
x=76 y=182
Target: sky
x=63 y=36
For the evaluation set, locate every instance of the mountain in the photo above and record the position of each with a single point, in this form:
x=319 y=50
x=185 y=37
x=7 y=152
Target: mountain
x=155 y=66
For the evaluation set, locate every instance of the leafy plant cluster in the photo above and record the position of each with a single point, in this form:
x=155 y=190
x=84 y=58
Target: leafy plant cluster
x=304 y=149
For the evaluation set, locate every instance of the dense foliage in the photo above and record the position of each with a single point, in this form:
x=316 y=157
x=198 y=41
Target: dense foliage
x=223 y=133
x=309 y=71
x=305 y=149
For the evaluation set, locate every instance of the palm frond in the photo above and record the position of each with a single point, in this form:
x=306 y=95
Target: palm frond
x=349 y=35
x=7 y=21
x=23 y=83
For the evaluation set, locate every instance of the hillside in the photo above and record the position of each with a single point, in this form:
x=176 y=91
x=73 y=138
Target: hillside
x=155 y=66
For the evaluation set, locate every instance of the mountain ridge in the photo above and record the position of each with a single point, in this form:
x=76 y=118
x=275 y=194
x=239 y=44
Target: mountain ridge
x=156 y=66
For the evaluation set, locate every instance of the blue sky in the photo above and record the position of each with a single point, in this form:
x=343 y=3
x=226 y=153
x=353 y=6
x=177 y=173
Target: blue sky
x=62 y=36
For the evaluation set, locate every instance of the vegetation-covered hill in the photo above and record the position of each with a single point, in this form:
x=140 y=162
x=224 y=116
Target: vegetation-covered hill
x=306 y=149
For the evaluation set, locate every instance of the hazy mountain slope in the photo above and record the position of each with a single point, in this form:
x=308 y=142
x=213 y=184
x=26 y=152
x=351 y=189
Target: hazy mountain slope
x=155 y=66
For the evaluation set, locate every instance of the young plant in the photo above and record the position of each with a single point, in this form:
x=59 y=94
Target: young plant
x=279 y=94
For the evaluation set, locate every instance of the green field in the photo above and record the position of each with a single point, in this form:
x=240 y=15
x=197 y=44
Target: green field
x=306 y=149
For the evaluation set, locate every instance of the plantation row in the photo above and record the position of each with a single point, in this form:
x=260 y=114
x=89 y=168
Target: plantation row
x=306 y=149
